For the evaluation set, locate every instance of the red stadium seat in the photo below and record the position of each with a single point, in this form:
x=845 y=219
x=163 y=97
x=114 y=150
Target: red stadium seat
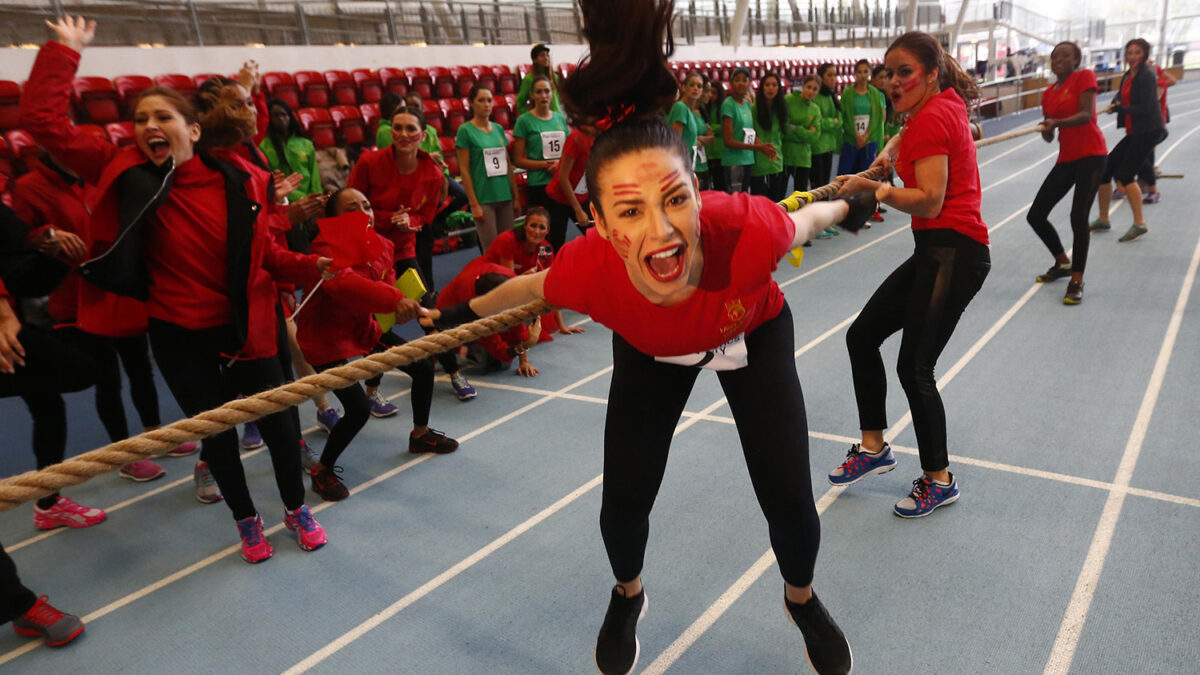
x=431 y=107
x=523 y=70
x=395 y=80
x=443 y=81
x=345 y=91
x=370 y=87
x=503 y=117
x=511 y=101
x=318 y=125
x=282 y=86
x=312 y=86
x=420 y=82
x=205 y=77
x=95 y=130
x=465 y=82
x=508 y=134
x=10 y=102
x=447 y=146
x=451 y=160
x=120 y=133
x=350 y=124
x=97 y=100
x=21 y=144
x=455 y=113
x=433 y=116
x=129 y=86
x=180 y=83
x=370 y=114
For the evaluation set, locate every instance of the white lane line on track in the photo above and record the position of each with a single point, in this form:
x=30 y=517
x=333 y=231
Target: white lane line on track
x=1069 y=632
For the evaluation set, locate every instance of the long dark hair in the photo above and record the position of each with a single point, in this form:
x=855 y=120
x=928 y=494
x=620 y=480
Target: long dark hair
x=929 y=52
x=279 y=141
x=828 y=91
x=708 y=109
x=626 y=82
x=776 y=108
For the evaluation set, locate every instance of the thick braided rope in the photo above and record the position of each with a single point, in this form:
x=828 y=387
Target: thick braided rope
x=36 y=484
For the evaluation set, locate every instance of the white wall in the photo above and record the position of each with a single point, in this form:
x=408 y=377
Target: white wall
x=113 y=61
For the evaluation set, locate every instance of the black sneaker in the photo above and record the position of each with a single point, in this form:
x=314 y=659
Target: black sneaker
x=1055 y=273
x=826 y=648
x=432 y=441
x=327 y=484
x=617 y=646
x=1074 y=294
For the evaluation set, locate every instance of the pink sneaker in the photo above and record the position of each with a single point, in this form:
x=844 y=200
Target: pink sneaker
x=309 y=533
x=142 y=470
x=183 y=450
x=255 y=547
x=66 y=513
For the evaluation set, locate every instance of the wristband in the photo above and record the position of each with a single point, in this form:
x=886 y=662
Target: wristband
x=455 y=315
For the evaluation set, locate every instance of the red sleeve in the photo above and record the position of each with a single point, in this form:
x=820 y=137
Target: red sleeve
x=1087 y=81
x=286 y=266
x=25 y=210
x=44 y=109
x=360 y=179
x=361 y=295
x=497 y=344
x=503 y=248
x=264 y=117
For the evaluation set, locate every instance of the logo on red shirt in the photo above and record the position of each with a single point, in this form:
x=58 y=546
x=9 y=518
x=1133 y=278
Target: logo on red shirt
x=736 y=314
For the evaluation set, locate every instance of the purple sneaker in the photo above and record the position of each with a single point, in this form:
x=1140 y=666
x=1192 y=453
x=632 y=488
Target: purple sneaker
x=381 y=407
x=1151 y=198
x=462 y=388
x=251 y=439
x=327 y=419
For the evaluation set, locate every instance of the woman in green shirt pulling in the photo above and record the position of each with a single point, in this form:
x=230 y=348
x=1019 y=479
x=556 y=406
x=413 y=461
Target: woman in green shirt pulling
x=287 y=150
x=487 y=173
x=863 y=112
x=741 y=140
x=804 y=122
x=830 y=140
x=686 y=120
x=538 y=139
x=770 y=122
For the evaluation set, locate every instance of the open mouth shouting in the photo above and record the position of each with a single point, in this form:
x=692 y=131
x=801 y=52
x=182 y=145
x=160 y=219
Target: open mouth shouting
x=666 y=264
x=158 y=148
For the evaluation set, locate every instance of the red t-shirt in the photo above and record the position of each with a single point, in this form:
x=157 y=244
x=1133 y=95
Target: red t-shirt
x=742 y=237
x=190 y=290
x=508 y=247
x=376 y=176
x=941 y=128
x=1062 y=102
x=462 y=287
x=578 y=147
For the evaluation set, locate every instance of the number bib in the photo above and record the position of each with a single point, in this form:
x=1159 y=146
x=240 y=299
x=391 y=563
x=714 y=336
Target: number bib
x=495 y=162
x=581 y=188
x=552 y=144
x=862 y=123
x=730 y=356
x=700 y=156
x=749 y=136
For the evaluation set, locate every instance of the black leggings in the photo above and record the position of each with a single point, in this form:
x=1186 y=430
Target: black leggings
x=449 y=360
x=1084 y=175
x=1146 y=173
x=716 y=174
x=737 y=178
x=1128 y=155
x=51 y=368
x=822 y=169
x=15 y=599
x=800 y=177
x=195 y=365
x=770 y=186
x=358 y=408
x=111 y=355
x=645 y=400
x=924 y=297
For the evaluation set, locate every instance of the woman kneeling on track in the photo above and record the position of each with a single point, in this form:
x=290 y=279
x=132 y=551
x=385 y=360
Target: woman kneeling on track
x=684 y=281
x=338 y=324
x=1069 y=105
x=927 y=294
x=182 y=230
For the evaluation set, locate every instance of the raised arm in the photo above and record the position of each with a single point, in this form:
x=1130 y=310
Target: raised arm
x=512 y=293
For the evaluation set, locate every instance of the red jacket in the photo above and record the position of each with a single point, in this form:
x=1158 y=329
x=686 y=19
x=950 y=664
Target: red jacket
x=253 y=296
x=375 y=175
x=43 y=198
x=462 y=288
x=338 y=322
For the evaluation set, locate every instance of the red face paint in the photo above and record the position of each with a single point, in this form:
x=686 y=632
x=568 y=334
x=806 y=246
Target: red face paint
x=670 y=177
x=621 y=243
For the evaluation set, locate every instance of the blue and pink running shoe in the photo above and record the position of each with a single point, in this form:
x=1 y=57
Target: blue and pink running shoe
x=309 y=533
x=927 y=494
x=860 y=464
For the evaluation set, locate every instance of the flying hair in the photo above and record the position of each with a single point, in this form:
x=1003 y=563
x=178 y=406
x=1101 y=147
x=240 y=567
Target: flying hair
x=625 y=84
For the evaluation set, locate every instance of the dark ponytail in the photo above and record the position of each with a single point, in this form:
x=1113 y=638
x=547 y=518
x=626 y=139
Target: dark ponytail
x=929 y=52
x=625 y=84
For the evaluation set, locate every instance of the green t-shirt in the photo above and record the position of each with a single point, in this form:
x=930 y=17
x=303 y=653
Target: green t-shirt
x=488 y=152
x=383 y=136
x=544 y=140
x=693 y=126
x=764 y=166
x=299 y=156
x=743 y=119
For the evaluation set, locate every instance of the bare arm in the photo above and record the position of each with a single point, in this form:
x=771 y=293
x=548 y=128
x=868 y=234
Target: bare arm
x=815 y=217
x=924 y=200
x=512 y=293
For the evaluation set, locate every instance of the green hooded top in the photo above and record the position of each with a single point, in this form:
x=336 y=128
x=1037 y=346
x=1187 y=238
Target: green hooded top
x=798 y=141
x=831 y=126
x=717 y=147
x=878 y=112
x=300 y=157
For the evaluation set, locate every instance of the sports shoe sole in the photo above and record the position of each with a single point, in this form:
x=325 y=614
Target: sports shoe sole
x=879 y=470
x=806 y=656
x=383 y=415
x=145 y=479
x=637 y=652
x=210 y=500
x=252 y=447
x=26 y=632
x=946 y=502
